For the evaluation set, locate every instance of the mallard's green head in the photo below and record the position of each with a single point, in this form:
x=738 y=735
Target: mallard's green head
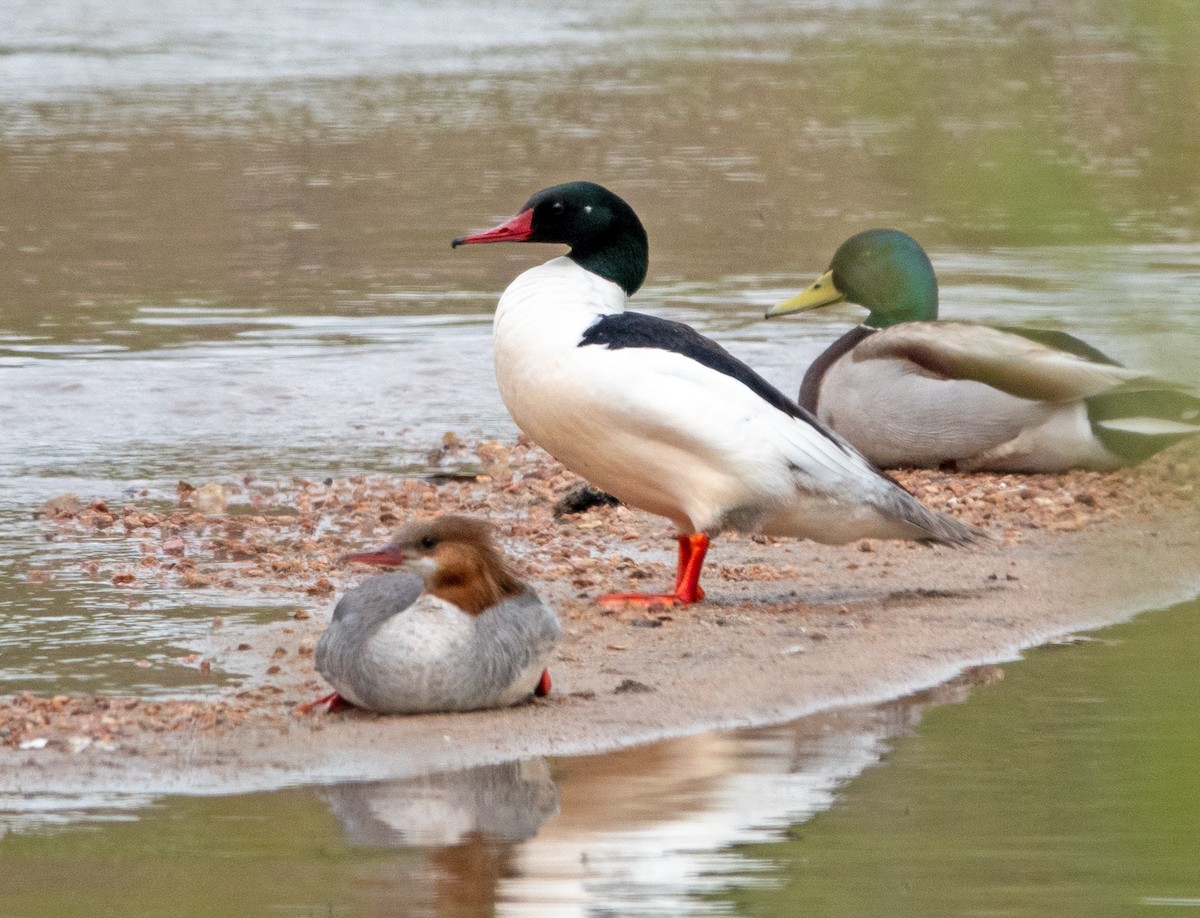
x=884 y=270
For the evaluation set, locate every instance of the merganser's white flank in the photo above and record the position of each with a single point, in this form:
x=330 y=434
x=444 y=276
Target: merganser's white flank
x=454 y=630
x=661 y=417
x=911 y=390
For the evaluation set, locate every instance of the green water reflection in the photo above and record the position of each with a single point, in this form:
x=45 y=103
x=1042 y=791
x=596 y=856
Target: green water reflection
x=195 y=857
x=259 y=854
x=1071 y=788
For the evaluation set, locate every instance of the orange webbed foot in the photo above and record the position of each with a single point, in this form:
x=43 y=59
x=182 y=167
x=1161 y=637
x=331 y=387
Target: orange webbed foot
x=616 y=600
x=331 y=702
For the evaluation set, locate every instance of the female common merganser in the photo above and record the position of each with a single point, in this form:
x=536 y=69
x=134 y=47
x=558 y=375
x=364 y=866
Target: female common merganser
x=663 y=418
x=909 y=390
x=455 y=630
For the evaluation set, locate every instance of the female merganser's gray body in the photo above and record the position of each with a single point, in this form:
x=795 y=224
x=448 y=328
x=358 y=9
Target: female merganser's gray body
x=660 y=416
x=454 y=630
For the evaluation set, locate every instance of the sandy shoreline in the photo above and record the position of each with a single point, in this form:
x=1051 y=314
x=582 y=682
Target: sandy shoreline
x=788 y=629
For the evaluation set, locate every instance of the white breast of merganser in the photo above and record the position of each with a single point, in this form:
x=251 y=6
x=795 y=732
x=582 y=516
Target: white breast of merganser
x=453 y=632
x=661 y=431
x=567 y=398
x=541 y=319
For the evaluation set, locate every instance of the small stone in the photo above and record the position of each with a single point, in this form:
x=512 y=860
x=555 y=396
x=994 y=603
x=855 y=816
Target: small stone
x=63 y=505
x=632 y=685
x=210 y=499
x=323 y=585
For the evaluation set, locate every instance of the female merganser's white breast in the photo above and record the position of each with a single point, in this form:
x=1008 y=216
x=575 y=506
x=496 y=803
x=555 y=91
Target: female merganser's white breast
x=430 y=655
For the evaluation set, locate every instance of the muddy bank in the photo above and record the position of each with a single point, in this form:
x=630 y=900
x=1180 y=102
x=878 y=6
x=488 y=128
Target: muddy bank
x=789 y=628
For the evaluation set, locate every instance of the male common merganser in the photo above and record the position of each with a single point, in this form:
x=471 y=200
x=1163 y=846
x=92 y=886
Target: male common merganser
x=909 y=390
x=455 y=630
x=663 y=418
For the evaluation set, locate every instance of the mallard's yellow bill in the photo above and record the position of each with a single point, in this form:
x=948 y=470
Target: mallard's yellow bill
x=821 y=293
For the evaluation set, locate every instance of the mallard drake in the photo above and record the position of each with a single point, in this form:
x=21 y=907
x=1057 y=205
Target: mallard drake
x=910 y=390
x=661 y=417
x=453 y=630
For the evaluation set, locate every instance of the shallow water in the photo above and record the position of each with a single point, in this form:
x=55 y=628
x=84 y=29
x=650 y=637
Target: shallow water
x=1066 y=787
x=224 y=231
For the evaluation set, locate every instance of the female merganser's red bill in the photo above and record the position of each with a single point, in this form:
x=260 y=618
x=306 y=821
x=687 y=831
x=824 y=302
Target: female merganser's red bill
x=455 y=630
x=663 y=418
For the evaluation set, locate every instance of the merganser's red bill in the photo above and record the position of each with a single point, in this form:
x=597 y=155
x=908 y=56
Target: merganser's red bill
x=518 y=229
x=388 y=556
x=543 y=686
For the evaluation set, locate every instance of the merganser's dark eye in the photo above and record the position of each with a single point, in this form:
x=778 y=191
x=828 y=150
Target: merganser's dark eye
x=557 y=208
x=427 y=542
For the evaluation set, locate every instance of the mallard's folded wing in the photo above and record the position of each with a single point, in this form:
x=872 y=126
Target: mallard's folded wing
x=1012 y=363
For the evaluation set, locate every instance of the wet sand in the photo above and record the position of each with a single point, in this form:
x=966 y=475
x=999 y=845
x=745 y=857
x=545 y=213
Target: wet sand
x=788 y=628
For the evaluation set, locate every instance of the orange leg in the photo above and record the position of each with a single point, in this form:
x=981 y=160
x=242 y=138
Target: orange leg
x=687 y=587
x=692 y=549
x=332 y=702
x=685 y=553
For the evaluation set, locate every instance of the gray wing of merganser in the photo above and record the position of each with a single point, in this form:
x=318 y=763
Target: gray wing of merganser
x=359 y=614
x=518 y=635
